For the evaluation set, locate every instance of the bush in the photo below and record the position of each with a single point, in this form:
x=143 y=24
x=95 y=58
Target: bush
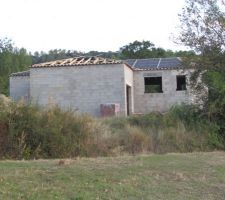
x=134 y=140
x=32 y=132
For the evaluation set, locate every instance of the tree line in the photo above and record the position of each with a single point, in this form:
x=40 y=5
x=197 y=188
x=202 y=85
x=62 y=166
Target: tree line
x=133 y=50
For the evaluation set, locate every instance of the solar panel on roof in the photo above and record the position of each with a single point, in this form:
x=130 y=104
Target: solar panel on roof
x=169 y=63
x=154 y=63
x=147 y=63
x=130 y=62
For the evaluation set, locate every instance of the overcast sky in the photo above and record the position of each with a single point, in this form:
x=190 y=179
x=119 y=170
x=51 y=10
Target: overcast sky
x=84 y=25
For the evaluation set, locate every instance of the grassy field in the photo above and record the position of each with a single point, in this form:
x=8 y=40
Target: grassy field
x=169 y=176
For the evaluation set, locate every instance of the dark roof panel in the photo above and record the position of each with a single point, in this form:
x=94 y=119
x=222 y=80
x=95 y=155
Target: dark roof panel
x=130 y=62
x=170 y=62
x=154 y=63
x=147 y=63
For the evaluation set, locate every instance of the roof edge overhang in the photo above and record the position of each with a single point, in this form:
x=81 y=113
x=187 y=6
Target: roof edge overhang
x=20 y=74
x=80 y=65
x=160 y=69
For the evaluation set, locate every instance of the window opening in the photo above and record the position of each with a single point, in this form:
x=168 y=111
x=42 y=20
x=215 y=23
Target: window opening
x=153 y=85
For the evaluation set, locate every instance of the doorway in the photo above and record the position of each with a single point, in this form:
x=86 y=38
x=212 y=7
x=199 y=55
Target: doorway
x=128 y=99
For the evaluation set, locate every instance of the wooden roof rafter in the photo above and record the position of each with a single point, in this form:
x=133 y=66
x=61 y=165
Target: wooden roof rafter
x=76 y=61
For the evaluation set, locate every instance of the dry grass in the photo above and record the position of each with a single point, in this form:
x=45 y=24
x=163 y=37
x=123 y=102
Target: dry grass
x=28 y=132
x=168 y=176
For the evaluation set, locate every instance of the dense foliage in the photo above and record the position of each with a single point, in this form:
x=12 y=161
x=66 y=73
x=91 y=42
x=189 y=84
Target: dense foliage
x=33 y=132
x=146 y=49
x=203 y=30
x=12 y=60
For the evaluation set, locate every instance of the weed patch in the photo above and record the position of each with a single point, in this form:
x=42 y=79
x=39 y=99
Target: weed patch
x=28 y=132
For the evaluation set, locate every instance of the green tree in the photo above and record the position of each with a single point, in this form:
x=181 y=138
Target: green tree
x=54 y=54
x=203 y=30
x=144 y=49
x=183 y=54
x=12 y=59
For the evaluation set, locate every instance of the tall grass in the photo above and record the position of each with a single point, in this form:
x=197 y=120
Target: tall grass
x=182 y=129
x=32 y=132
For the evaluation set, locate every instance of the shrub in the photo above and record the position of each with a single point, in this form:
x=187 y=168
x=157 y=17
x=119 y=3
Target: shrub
x=134 y=140
x=33 y=132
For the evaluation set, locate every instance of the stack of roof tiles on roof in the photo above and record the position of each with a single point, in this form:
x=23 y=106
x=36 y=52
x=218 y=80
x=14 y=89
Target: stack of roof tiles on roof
x=76 y=61
x=23 y=73
x=154 y=63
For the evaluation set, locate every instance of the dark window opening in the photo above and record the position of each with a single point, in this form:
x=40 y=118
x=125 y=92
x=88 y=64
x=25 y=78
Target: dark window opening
x=181 y=82
x=153 y=85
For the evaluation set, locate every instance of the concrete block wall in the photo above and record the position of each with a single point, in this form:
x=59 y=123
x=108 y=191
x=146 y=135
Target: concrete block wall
x=85 y=88
x=20 y=88
x=148 y=102
x=80 y=88
x=128 y=76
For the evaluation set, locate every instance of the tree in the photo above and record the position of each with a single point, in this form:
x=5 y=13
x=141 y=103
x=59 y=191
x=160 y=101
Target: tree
x=146 y=49
x=138 y=50
x=54 y=54
x=203 y=30
x=12 y=59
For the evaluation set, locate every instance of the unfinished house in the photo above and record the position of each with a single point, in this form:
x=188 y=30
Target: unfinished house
x=104 y=87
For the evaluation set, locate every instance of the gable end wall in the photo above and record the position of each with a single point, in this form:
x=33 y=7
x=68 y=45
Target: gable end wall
x=20 y=88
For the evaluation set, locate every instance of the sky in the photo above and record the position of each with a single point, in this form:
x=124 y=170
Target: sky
x=85 y=25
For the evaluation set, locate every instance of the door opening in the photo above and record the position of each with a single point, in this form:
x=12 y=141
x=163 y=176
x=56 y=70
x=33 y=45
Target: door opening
x=128 y=95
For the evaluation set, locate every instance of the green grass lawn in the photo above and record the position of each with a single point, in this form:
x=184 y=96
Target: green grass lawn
x=168 y=176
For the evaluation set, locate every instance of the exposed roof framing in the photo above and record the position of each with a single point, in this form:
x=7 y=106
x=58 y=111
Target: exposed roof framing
x=78 y=61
